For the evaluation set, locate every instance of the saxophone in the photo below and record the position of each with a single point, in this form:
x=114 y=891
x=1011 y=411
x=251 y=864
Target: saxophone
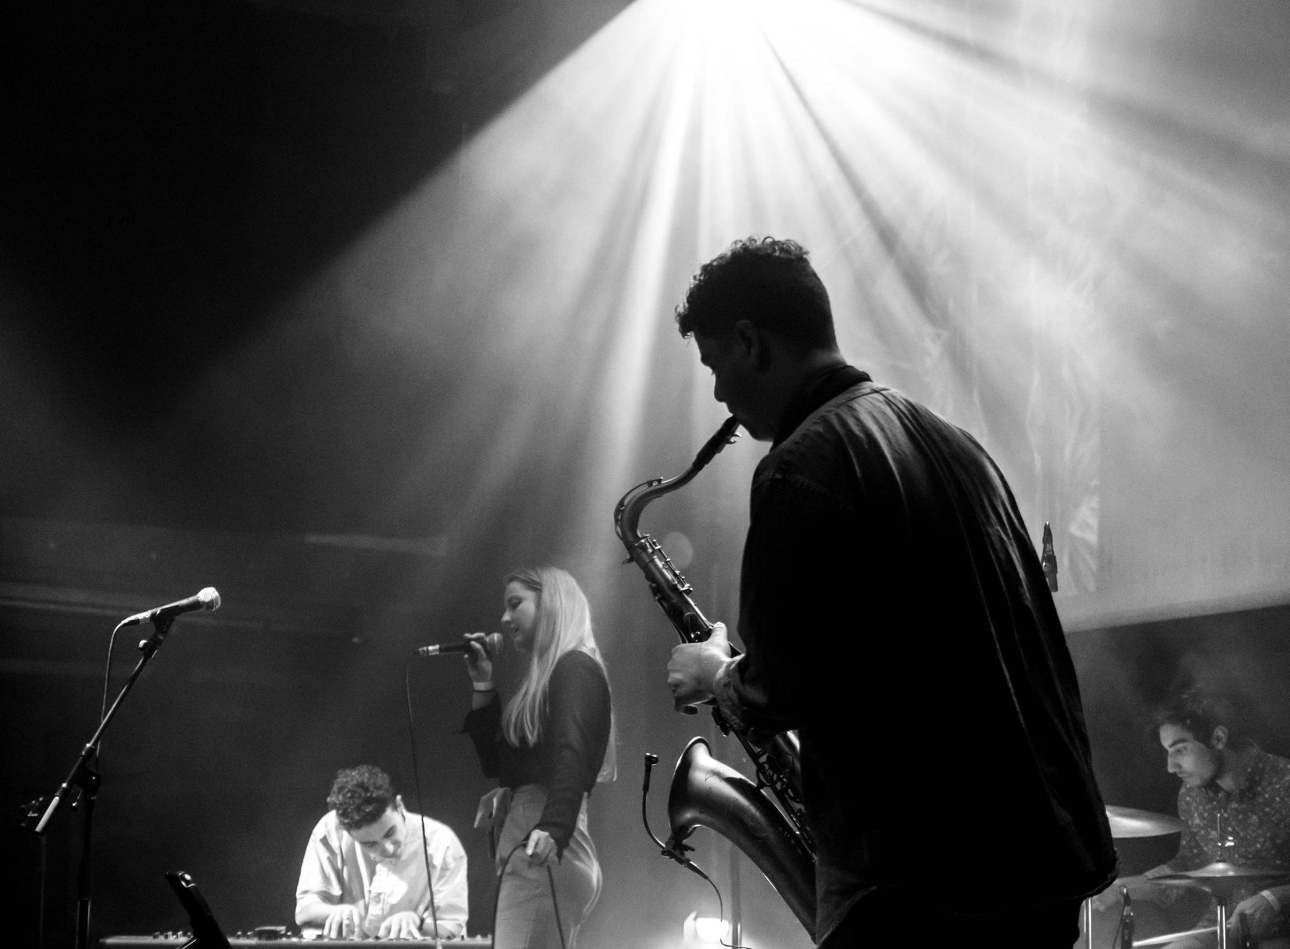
x=769 y=828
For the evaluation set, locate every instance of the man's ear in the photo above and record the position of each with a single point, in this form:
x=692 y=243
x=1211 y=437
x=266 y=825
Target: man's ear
x=752 y=344
x=1218 y=740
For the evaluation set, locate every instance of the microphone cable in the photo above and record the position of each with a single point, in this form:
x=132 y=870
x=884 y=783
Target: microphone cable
x=421 y=811
x=416 y=781
x=107 y=673
x=677 y=853
x=555 y=904
x=721 y=904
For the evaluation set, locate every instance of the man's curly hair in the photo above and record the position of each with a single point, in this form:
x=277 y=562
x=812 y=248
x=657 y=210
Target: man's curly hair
x=766 y=281
x=1200 y=711
x=359 y=796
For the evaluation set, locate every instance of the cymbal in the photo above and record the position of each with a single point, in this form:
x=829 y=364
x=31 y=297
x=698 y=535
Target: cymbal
x=1131 y=822
x=1223 y=876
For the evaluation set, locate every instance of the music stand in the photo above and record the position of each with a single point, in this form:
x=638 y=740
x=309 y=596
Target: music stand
x=206 y=932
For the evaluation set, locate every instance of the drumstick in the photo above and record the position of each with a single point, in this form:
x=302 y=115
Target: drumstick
x=1170 y=937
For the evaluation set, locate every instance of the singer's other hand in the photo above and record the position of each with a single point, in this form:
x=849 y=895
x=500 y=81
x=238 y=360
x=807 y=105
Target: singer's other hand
x=479 y=661
x=694 y=666
x=541 y=849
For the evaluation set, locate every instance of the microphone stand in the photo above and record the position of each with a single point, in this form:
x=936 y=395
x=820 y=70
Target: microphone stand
x=31 y=812
x=87 y=781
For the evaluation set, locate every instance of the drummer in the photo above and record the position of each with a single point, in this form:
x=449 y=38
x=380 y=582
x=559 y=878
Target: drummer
x=1235 y=806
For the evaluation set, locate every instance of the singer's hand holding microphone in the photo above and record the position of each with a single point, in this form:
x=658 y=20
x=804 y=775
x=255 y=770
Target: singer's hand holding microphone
x=479 y=650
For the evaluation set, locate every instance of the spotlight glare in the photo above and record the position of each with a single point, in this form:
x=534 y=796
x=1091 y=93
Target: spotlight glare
x=711 y=929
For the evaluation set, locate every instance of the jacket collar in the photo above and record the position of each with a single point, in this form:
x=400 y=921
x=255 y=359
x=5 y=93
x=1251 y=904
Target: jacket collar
x=818 y=389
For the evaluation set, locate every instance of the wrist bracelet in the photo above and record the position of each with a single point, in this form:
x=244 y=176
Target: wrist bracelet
x=1276 y=903
x=475 y=686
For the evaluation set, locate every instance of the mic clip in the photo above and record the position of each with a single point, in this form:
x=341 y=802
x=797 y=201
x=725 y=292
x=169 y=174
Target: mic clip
x=160 y=628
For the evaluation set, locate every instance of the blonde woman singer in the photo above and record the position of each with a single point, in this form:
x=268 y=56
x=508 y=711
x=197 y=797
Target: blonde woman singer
x=541 y=722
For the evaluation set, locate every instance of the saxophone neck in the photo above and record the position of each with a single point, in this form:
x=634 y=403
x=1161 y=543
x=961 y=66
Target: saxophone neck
x=628 y=512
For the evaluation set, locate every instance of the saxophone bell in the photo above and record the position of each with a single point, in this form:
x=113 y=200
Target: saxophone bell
x=707 y=793
x=704 y=791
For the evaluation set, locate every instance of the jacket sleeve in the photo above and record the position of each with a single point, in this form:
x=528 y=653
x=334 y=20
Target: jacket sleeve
x=483 y=725
x=791 y=583
x=576 y=736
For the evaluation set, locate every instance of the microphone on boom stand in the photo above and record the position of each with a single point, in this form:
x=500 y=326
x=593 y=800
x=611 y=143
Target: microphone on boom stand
x=204 y=599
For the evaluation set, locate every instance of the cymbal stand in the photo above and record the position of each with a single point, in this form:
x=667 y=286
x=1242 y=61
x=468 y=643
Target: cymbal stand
x=1227 y=852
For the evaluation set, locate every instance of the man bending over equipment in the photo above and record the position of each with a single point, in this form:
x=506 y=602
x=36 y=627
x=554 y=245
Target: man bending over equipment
x=365 y=870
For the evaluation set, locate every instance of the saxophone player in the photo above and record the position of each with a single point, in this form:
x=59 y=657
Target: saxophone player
x=894 y=612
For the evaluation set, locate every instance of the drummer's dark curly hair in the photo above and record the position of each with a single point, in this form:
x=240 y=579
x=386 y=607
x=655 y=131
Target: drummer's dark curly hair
x=766 y=281
x=359 y=796
x=1200 y=711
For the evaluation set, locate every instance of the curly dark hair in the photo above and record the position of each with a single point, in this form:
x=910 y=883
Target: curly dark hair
x=1200 y=711
x=766 y=281
x=359 y=796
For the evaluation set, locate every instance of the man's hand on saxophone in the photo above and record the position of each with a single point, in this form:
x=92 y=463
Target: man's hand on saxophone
x=693 y=668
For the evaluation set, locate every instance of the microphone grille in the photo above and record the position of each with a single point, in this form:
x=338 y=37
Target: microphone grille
x=210 y=598
x=495 y=643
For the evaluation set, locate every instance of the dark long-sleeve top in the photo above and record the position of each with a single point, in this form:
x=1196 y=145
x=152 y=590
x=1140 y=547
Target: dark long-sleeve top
x=568 y=756
x=894 y=611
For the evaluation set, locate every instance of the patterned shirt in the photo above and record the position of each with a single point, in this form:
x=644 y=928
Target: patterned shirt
x=1256 y=816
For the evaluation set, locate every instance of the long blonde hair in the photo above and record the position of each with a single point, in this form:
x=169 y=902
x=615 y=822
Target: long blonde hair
x=563 y=625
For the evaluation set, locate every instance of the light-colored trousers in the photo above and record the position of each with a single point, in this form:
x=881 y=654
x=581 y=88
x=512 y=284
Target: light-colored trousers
x=525 y=912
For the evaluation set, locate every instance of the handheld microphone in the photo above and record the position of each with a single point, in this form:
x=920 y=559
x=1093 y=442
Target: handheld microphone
x=207 y=599
x=492 y=646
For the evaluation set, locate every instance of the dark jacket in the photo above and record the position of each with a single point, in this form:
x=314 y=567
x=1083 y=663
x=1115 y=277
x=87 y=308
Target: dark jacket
x=894 y=610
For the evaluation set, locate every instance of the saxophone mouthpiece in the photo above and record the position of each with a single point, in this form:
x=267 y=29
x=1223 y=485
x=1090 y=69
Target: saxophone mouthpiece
x=724 y=436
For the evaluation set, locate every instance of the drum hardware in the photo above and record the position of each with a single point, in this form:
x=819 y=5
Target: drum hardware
x=1129 y=823
x=1124 y=938
x=1221 y=879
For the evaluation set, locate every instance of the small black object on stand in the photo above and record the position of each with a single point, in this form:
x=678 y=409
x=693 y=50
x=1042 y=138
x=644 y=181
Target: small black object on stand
x=206 y=932
x=1124 y=939
x=1048 y=558
x=31 y=813
x=86 y=780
